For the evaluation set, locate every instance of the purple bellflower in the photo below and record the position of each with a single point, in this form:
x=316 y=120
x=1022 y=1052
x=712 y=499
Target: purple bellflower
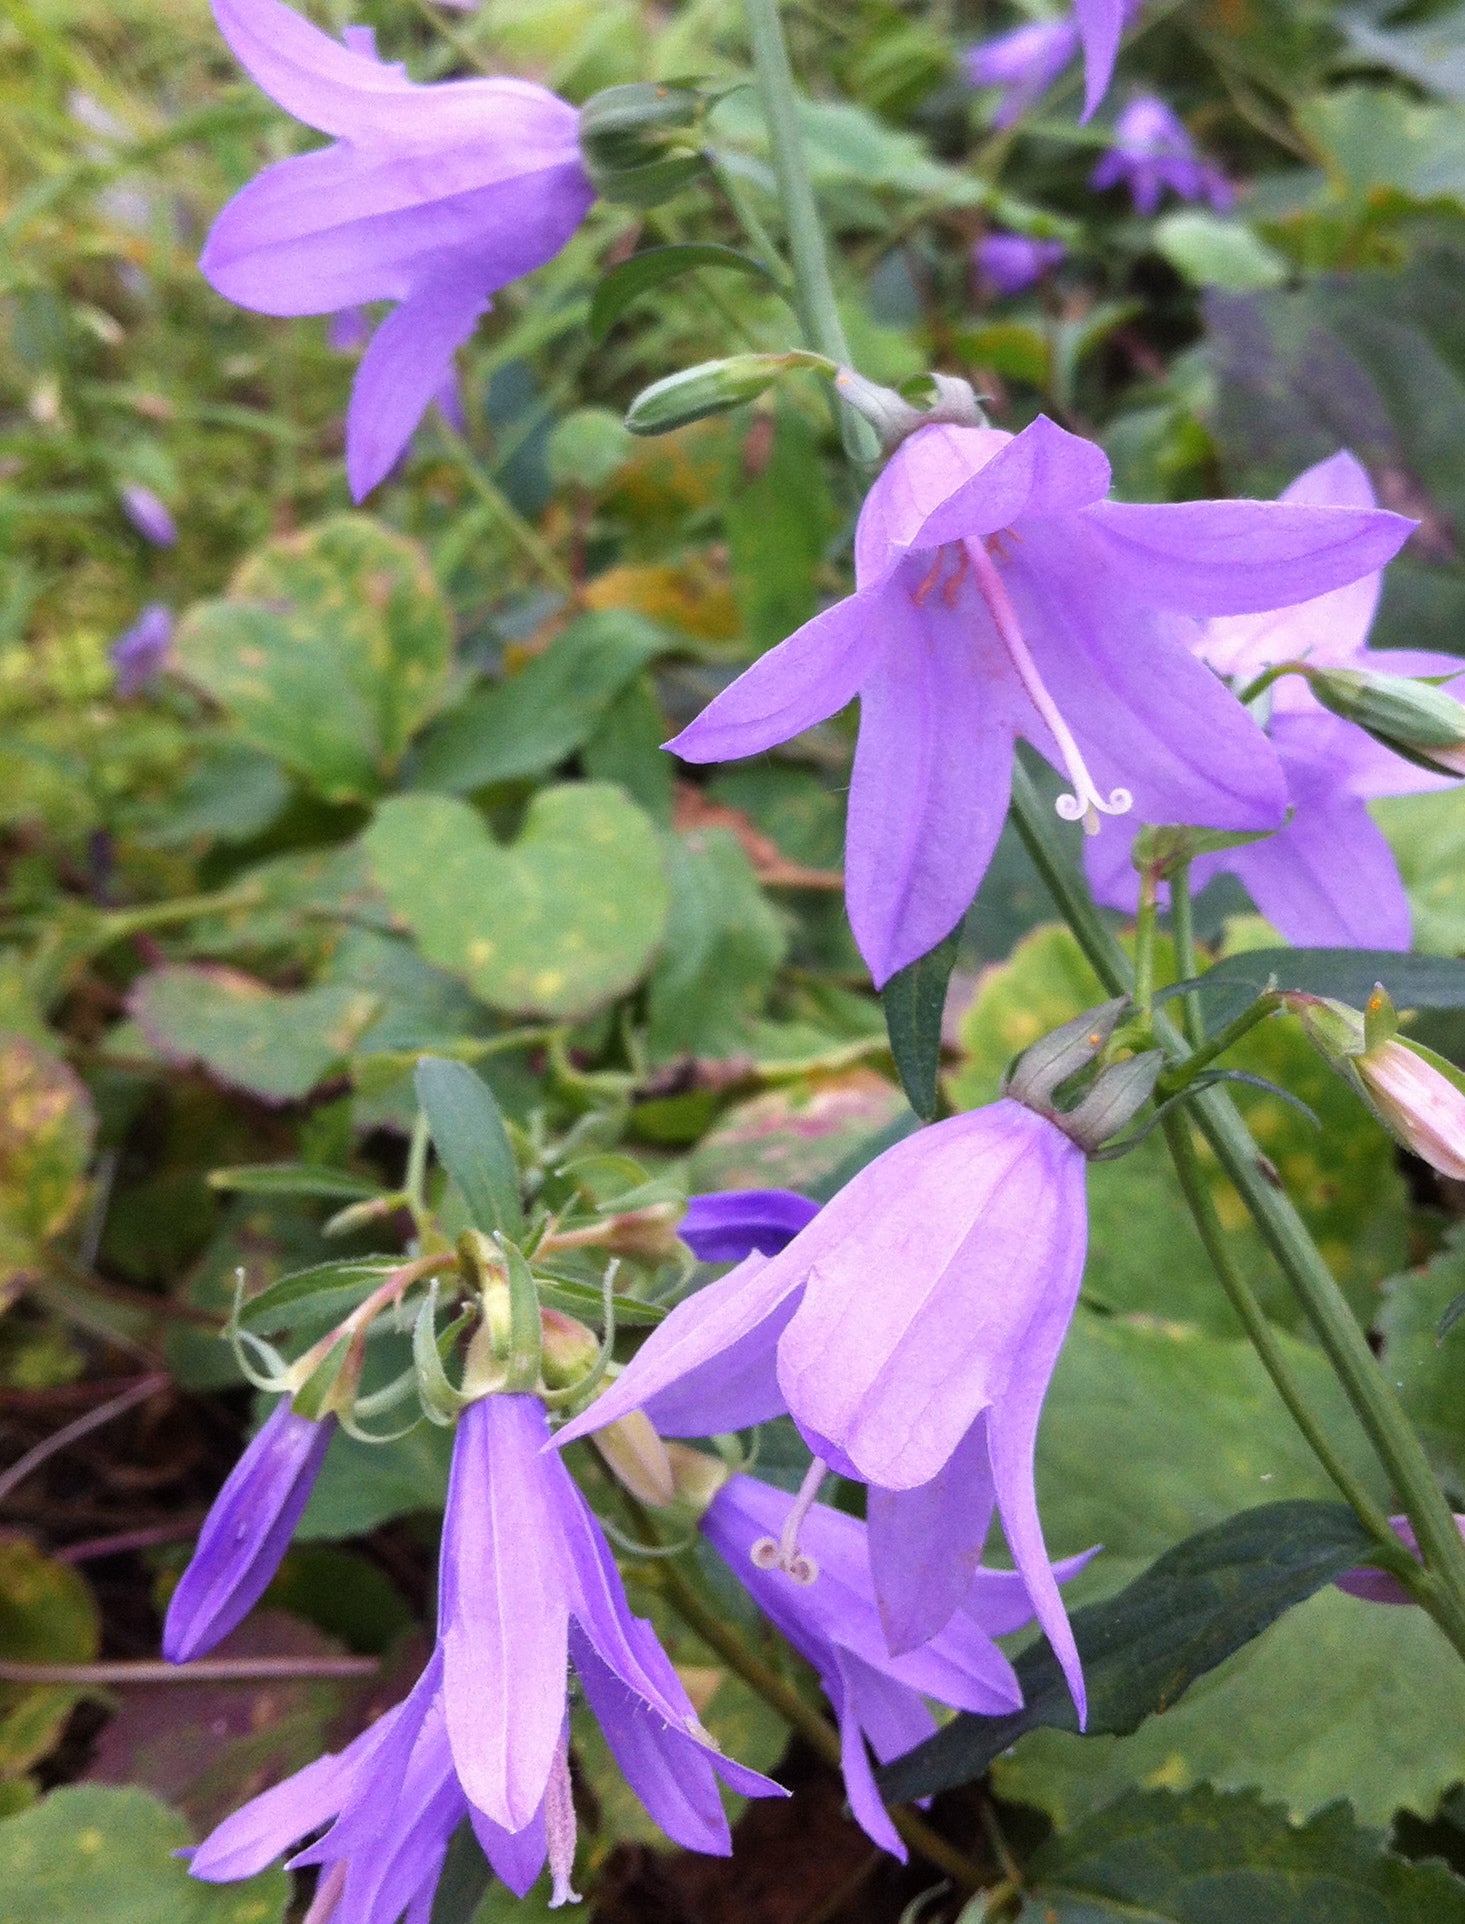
x=834 y=1623
x=140 y=651
x=246 y=1532
x=727 y=1226
x=1000 y=594
x=149 y=515
x=431 y=196
x=1008 y=263
x=910 y=1331
x=528 y=1587
x=1025 y=62
x=1377 y=1586
x=1152 y=151
x=1328 y=879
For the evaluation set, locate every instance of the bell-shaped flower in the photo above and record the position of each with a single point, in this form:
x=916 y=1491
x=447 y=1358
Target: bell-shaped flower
x=1026 y=61
x=1008 y=263
x=1329 y=878
x=727 y=1225
x=528 y=1587
x=910 y=1330
x=141 y=650
x=432 y=197
x=247 y=1532
x=1153 y=151
x=1000 y=594
x=833 y=1621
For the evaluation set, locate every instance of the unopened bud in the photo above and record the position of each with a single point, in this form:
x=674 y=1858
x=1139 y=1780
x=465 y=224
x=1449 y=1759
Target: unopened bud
x=568 y=1350
x=645 y=1235
x=1416 y=719
x=1062 y=1053
x=642 y=143
x=712 y=387
x=1417 y=1095
x=696 y=1476
x=636 y=1455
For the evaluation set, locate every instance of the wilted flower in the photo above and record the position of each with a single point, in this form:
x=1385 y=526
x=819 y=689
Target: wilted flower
x=432 y=197
x=140 y=651
x=1377 y=1586
x=726 y=1226
x=1011 y=262
x=527 y=1587
x=1329 y=878
x=834 y=1623
x=1152 y=151
x=999 y=594
x=1026 y=61
x=246 y=1532
x=148 y=514
x=910 y=1330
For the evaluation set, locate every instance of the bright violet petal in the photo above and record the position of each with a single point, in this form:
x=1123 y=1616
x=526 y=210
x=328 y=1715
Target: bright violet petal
x=1242 y=557
x=249 y=1840
x=1100 y=23
x=517 y=1856
x=410 y=356
x=926 y=1543
x=737 y=1390
x=696 y=1333
x=801 y=682
x=866 y=1805
x=726 y=1226
x=303 y=70
x=1329 y=878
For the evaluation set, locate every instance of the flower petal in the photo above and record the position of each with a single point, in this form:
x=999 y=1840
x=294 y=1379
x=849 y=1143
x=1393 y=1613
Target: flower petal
x=1242 y=557
x=866 y=1804
x=726 y=1226
x=305 y=71
x=409 y=358
x=252 y=1837
x=1100 y=23
x=517 y=1856
x=926 y=1543
x=1329 y=878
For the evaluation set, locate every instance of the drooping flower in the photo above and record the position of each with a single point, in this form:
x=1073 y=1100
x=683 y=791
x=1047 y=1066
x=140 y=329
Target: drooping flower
x=1329 y=878
x=1152 y=150
x=1000 y=594
x=527 y=1587
x=725 y=1226
x=834 y=1623
x=431 y=196
x=247 y=1532
x=1010 y=262
x=149 y=514
x=910 y=1330
x=1377 y=1586
x=1026 y=61
x=140 y=651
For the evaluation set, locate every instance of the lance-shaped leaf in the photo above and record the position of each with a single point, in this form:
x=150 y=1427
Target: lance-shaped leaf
x=914 y=1000
x=471 y=1141
x=629 y=279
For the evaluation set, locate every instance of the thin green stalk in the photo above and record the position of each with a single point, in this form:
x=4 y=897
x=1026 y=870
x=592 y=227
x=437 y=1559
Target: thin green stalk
x=1144 y=946
x=527 y=537
x=1182 y=928
x=1201 y=1057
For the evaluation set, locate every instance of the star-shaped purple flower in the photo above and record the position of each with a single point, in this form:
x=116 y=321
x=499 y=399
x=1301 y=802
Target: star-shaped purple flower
x=1328 y=879
x=910 y=1330
x=1152 y=151
x=431 y=196
x=1000 y=594
x=1025 y=62
x=835 y=1624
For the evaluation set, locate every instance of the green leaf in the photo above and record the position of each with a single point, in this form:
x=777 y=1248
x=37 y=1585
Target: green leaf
x=1211 y=252
x=46 y=1616
x=559 y=923
x=47 y=1128
x=1155 y=1858
x=723 y=947
x=1426 y=1369
x=471 y=1142
x=332 y=649
x=1432 y=53
x=534 y=720
x=1427 y=835
x=713 y=387
x=294 y=1179
x=630 y=279
x=586 y=448
x=778 y=517
x=363 y=1485
x=276 y=1044
x=88 y=1851
x=1379 y=141
x=790 y=1137
x=320 y=1294
x=1142 y=1649
x=914 y=1001
x=1347 y=975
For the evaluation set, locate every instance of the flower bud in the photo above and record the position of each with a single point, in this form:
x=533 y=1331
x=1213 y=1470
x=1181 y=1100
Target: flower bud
x=1414 y=718
x=641 y=143
x=1417 y=1095
x=568 y=1350
x=636 y=1455
x=696 y=1476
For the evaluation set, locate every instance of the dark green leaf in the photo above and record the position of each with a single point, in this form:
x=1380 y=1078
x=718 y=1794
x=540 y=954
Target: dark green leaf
x=1348 y=975
x=294 y=1179
x=638 y=275
x=465 y=1877
x=582 y=1299
x=1142 y=1649
x=914 y=1000
x=326 y=1290
x=471 y=1141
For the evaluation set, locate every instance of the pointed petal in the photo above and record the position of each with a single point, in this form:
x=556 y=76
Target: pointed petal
x=1339 y=482
x=252 y=1837
x=926 y=1543
x=410 y=356
x=892 y=1715
x=1100 y=23
x=931 y=782
x=305 y=71
x=802 y=681
x=503 y=1609
x=725 y=1227
x=693 y=1337
x=517 y=1856
x=866 y=1805
x=1329 y=878
x=1242 y=557
x=999 y=1602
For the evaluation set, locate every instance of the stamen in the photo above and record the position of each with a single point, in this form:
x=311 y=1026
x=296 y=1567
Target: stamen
x=1086 y=804
x=931 y=579
x=955 y=579
x=783 y=1553
x=328 y=1888
x=559 y=1826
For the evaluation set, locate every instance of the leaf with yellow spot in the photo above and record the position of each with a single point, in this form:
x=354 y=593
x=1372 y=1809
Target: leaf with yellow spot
x=47 y=1126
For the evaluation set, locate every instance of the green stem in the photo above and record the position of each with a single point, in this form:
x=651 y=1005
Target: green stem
x=1178 y=1078
x=1442 y=1591
x=1144 y=946
x=1182 y=927
x=526 y=537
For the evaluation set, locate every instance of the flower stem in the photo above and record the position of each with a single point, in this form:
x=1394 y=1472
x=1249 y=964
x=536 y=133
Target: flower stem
x=1182 y=928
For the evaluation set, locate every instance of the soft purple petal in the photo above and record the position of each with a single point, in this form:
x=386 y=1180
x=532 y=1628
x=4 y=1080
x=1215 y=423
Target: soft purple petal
x=728 y=1225
x=1329 y=878
x=695 y=1335
x=919 y=1591
x=801 y=682
x=1024 y=63
x=149 y=515
x=894 y=1718
x=998 y=1600
x=866 y=1805
x=1100 y=22
x=1242 y=557
x=410 y=356
x=141 y=650
x=246 y=1532
x=1011 y=262
x=736 y=1390
x=503 y=1609
x=517 y=1857
x=931 y=780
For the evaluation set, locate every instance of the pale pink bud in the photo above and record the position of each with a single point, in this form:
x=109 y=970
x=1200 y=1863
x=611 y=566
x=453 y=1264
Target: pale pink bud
x=1423 y=1106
